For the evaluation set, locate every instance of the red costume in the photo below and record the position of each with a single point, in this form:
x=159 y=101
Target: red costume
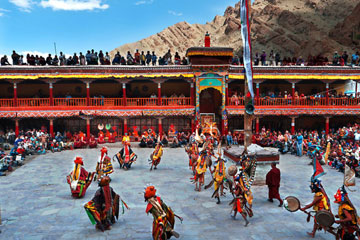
x=79 y=179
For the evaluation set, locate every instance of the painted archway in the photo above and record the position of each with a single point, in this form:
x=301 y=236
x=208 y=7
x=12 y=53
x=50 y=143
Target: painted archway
x=211 y=81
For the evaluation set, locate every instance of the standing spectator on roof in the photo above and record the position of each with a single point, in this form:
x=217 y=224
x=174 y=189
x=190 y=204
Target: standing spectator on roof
x=82 y=59
x=101 y=57
x=15 y=57
x=263 y=58
x=137 y=57
x=148 y=58
x=49 y=60
x=62 y=59
x=153 y=58
x=142 y=58
x=88 y=57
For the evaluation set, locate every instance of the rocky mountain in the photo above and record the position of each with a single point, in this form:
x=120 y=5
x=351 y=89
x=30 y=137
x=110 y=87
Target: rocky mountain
x=299 y=28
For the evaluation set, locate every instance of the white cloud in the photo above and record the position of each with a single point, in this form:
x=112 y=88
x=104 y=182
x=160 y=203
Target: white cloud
x=2 y=11
x=74 y=5
x=178 y=14
x=24 y=53
x=142 y=2
x=24 y=5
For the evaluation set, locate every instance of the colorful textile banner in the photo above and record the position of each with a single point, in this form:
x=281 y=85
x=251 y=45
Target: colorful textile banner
x=245 y=34
x=318 y=170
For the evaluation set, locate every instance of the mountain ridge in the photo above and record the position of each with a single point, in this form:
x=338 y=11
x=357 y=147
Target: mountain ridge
x=292 y=28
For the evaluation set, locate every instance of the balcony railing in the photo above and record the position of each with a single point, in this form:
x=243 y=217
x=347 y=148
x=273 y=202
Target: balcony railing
x=298 y=102
x=94 y=102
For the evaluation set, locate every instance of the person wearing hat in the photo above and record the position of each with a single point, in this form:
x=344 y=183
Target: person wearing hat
x=320 y=202
x=155 y=157
x=240 y=202
x=348 y=219
x=164 y=217
x=104 y=166
x=79 y=179
x=200 y=169
x=104 y=206
x=219 y=176
x=125 y=157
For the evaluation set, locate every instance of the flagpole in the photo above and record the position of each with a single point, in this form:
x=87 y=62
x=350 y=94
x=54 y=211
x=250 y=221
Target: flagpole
x=247 y=117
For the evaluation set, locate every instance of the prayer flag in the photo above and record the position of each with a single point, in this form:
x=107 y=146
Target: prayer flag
x=246 y=39
x=318 y=170
x=349 y=176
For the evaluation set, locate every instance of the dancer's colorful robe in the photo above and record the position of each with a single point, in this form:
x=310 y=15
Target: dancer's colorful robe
x=164 y=217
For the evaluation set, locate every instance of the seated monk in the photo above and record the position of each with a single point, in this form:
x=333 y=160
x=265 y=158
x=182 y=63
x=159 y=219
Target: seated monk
x=111 y=138
x=92 y=142
x=135 y=133
x=107 y=136
x=77 y=142
x=101 y=138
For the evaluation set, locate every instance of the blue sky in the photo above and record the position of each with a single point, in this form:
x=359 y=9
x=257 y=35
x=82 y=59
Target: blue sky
x=78 y=25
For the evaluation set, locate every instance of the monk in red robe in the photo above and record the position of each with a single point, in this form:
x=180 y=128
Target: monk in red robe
x=273 y=182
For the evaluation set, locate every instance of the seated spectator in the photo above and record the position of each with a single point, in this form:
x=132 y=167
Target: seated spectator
x=4 y=61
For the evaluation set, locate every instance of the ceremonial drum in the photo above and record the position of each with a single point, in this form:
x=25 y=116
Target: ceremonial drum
x=325 y=218
x=232 y=170
x=292 y=204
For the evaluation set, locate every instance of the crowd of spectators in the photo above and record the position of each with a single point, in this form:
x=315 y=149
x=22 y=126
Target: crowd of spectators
x=274 y=59
x=339 y=148
x=96 y=58
x=237 y=98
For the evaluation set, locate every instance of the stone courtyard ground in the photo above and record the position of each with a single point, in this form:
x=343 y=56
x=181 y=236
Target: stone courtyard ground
x=36 y=203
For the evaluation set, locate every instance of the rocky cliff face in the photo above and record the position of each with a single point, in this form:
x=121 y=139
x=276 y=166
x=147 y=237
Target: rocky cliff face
x=300 y=28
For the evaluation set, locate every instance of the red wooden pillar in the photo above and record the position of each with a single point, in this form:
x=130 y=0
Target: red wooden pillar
x=193 y=125
x=15 y=94
x=125 y=126
x=327 y=93
x=192 y=94
x=293 y=93
x=227 y=94
x=51 y=128
x=160 y=128
x=124 y=93
x=16 y=127
x=292 y=125
x=88 y=93
x=257 y=125
x=159 y=94
x=327 y=123
x=88 y=128
x=258 y=93
x=51 y=95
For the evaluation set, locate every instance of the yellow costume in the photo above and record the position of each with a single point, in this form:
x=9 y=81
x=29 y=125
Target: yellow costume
x=158 y=152
x=322 y=204
x=126 y=139
x=219 y=174
x=201 y=165
x=327 y=152
x=350 y=209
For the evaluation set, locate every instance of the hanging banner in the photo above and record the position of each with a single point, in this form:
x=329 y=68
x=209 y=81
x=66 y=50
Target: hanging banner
x=245 y=33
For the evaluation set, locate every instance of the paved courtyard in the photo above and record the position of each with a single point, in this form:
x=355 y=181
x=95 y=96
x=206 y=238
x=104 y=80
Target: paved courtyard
x=36 y=203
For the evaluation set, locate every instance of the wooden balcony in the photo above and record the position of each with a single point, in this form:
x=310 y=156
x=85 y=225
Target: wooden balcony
x=298 y=102
x=98 y=103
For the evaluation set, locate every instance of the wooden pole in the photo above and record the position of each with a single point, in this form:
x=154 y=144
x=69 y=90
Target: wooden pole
x=247 y=117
